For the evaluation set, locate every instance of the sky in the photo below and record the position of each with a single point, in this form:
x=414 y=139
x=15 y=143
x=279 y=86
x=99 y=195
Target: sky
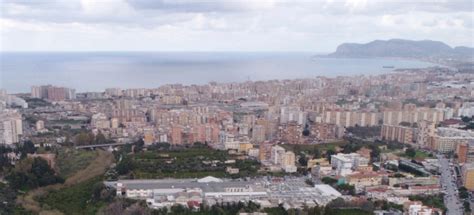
x=227 y=25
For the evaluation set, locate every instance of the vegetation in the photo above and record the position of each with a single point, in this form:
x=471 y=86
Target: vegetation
x=182 y=162
x=329 y=180
x=32 y=173
x=365 y=132
x=70 y=161
x=435 y=201
x=313 y=149
x=463 y=193
x=95 y=169
x=467 y=206
x=34 y=103
x=343 y=188
x=416 y=154
x=83 y=198
x=88 y=138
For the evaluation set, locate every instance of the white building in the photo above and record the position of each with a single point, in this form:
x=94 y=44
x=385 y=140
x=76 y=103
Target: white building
x=345 y=163
x=10 y=127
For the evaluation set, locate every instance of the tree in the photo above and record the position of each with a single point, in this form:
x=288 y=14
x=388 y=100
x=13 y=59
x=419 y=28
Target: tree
x=303 y=161
x=138 y=145
x=316 y=153
x=32 y=173
x=306 y=132
x=124 y=166
x=329 y=180
x=410 y=152
x=375 y=153
x=330 y=152
x=28 y=147
x=100 y=138
x=83 y=139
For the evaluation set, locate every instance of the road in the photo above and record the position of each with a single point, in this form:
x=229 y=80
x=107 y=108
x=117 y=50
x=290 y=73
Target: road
x=448 y=184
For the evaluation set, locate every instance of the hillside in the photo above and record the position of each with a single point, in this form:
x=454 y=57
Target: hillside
x=404 y=49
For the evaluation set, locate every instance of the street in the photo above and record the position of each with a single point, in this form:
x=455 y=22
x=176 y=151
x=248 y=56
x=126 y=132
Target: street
x=448 y=185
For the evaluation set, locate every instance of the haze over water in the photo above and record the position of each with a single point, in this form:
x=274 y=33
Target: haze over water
x=96 y=71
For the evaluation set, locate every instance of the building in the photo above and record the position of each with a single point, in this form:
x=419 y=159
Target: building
x=53 y=93
x=148 y=136
x=417 y=208
x=344 y=164
x=210 y=191
x=258 y=133
x=448 y=139
x=100 y=121
x=402 y=134
x=282 y=158
x=291 y=133
x=351 y=118
x=426 y=132
x=410 y=115
x=288 y=162
x=468 y=176
x=465 y=152
x=362 y=180
x=10 y=127
x=39 y=125
x=176 y=135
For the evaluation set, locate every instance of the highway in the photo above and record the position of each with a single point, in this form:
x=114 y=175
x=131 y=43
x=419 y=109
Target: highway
x=448 y=184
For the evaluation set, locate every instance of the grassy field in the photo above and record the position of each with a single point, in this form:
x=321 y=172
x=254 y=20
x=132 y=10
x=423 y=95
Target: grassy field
x=69 y=160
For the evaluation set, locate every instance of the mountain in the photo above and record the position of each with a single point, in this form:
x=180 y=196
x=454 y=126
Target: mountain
x=404 y=49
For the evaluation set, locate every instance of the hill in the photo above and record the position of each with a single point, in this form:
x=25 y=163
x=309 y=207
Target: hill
x=424 y=49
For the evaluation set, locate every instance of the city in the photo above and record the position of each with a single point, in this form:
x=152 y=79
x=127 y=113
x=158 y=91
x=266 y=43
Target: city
x=288 y=144
x=236 y=107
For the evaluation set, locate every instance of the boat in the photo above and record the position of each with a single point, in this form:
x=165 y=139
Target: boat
x=388 y=67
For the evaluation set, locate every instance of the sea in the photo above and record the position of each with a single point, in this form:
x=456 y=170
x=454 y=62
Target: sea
x=95 y=71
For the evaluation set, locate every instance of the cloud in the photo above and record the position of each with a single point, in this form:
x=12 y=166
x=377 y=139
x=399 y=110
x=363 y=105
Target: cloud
x=245 y=25
x=201 y=5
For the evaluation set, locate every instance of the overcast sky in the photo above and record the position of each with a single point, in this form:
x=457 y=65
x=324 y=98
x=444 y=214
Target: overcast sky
x=227 y=25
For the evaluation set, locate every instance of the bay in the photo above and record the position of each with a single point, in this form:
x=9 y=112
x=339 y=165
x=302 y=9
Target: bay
x=95 y=71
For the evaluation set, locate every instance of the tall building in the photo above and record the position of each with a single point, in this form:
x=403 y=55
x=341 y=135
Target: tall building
x=52 y=93
x=10 y=127
x=468 y=176
x=402 y=134
x=410 y=115
x=258 y=133
x=426 y=132
x=176 y=135
x=351 y=118
x=465 y=152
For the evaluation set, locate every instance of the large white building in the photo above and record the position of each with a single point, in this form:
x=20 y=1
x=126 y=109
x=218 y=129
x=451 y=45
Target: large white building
x=210 y=190
x=10 y=127
x=345 y=163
